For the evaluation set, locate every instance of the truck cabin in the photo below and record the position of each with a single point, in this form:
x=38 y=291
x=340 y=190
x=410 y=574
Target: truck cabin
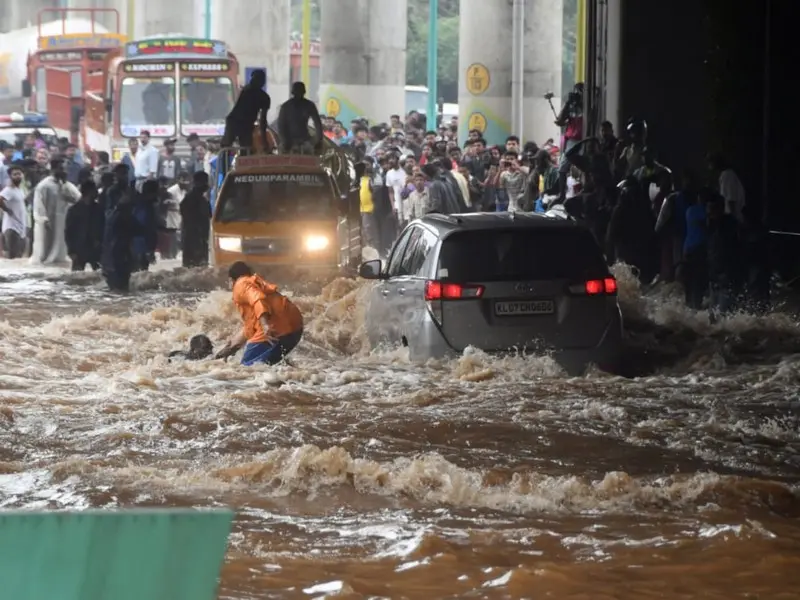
x=60 y=68
x=334 y=158
x=171 y=87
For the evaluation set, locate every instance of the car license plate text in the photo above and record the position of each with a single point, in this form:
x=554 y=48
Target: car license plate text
x=524 y=307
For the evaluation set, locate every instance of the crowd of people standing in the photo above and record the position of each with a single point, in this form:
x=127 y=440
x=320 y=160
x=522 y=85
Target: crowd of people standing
x=691 y=227
x=57 y=209
x=694 y=227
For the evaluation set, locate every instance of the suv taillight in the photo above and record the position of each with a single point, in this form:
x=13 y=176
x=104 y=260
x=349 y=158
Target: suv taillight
x=444 y=290
x=595 y=287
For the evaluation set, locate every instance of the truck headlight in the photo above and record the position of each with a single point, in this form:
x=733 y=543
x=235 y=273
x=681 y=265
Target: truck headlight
x=315 y=243
x=230 y=244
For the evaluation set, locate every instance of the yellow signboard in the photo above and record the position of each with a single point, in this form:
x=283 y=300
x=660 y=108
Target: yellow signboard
x=332 y=107
x=477 y=79
x=81 y=40
x=477 y=121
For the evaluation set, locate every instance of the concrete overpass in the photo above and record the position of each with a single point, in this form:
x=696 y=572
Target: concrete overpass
x=363 y=57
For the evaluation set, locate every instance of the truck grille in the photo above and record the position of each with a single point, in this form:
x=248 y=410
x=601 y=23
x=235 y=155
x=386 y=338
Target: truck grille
x=268 y=246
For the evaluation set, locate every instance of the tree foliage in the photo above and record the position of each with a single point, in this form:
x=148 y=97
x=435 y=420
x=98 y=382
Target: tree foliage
x=417 y=54
x=297 y=18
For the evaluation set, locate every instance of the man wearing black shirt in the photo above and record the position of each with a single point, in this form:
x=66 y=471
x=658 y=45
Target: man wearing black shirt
x=293 y=122
x=253 y=103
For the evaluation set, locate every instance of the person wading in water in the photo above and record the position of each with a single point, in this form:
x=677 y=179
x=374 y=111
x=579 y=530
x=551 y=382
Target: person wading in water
x=271 y=324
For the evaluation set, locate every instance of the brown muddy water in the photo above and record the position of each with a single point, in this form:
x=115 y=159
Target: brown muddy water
x=358 y=475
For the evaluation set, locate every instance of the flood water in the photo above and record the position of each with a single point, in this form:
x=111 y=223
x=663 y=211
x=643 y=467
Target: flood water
x=358 y=475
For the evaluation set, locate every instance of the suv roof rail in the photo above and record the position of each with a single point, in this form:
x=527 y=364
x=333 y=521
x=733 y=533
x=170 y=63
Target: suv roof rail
x=444 y=217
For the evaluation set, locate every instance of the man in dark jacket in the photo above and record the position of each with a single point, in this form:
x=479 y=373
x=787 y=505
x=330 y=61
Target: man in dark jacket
x=253 y=103
x=630 y=237
x=84 y=229
x=121 y=188
x=121 y=227
x=144 y=211
x=724 y=258
x=441 y=196
x=454 y=190
x=196 y=222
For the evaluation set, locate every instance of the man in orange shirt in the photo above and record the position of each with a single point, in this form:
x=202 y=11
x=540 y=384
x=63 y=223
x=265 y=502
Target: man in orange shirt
x=272 y=325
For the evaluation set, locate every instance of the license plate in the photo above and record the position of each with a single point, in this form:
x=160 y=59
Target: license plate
x=524 y=307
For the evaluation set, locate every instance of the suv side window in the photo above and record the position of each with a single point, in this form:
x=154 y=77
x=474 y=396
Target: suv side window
x=417 y=251
x=397 y=253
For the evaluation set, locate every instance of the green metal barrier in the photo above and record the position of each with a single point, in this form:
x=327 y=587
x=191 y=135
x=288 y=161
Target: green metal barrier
x=135 y=554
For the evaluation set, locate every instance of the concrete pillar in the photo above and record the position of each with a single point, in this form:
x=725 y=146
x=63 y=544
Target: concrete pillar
x=5 y=17
x=363 y=62
x=544 y=30
x=484 y=83
x=160 y=17
x=23 y=13
x=258 y=34
x=613 y=66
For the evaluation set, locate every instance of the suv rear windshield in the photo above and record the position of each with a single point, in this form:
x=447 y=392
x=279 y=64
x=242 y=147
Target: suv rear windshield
x=521 y=254
x=257 y=197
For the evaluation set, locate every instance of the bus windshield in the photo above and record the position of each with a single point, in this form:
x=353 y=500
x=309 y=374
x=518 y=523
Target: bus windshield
x=205 y=102
x=147 y=103
x=260 y=197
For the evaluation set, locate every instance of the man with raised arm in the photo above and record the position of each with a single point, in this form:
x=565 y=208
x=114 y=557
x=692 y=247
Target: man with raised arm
x=253 y=103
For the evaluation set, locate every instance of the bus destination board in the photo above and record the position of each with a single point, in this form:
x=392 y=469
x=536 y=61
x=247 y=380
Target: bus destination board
x=205 y=67
x=175 y=47
x=148 y=67
x=58 y=56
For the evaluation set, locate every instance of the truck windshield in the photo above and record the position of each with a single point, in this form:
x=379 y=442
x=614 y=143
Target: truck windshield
x=147 y=103
x=205 y=102
x=259 y=197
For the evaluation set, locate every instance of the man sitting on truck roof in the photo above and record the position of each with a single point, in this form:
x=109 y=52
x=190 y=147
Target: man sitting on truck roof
x=293 y=122
x=253 y=103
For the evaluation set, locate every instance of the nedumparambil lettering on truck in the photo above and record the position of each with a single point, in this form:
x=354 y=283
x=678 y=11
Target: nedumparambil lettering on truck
x=312 y=180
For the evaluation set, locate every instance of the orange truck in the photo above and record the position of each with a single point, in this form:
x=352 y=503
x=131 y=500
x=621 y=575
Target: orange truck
x=69 y=51
x=172 y=86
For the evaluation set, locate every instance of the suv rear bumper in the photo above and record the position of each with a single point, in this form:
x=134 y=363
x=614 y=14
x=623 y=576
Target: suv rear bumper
x=430 y=343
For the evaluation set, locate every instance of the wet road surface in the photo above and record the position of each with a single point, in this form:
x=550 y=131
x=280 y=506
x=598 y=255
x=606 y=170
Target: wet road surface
x=359 y=475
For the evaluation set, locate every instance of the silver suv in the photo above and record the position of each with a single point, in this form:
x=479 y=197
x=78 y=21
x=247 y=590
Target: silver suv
x=500 y=282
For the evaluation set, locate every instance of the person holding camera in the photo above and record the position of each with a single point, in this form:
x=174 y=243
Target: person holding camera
x=570 y=119
x=512 y=182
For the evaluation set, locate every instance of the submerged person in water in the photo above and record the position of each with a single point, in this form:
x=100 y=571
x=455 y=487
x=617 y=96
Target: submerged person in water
x=272 y=324
x=200 y=347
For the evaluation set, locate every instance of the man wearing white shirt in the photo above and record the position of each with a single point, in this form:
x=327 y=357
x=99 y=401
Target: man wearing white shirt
x=730 y=187
x=13 y=215
x=146 y=160
x=396 y=181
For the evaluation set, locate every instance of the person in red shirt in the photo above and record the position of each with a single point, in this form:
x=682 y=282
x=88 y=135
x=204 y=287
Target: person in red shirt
x=272 y=324
x=571 y=121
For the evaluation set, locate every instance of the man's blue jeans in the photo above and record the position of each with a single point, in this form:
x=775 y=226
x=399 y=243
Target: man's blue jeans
x=270 y=353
